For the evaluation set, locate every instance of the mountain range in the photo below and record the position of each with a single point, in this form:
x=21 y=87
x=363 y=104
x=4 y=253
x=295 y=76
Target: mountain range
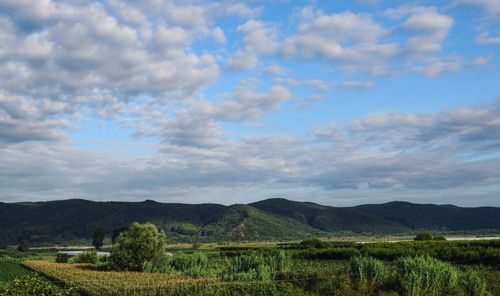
x=76 y=219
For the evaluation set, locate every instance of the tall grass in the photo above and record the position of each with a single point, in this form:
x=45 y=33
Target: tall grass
x=474 y=285
x=257 y=267
x=419 y=276
x=368 y=273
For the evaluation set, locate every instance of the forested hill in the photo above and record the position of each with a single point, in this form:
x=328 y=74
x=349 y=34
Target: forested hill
x=268 y=219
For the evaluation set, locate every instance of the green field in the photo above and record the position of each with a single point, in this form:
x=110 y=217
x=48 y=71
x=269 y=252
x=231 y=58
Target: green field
x=310 y=267
x=11 y=268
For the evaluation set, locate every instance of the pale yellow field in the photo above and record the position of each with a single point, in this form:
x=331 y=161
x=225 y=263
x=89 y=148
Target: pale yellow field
x=110 y=282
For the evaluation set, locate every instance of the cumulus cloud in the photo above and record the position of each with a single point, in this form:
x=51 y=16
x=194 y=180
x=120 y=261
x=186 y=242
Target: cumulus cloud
x=258 y=38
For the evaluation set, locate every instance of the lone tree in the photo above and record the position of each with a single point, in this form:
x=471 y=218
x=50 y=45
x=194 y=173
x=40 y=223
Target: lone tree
x=139 y=244
x=98 y=238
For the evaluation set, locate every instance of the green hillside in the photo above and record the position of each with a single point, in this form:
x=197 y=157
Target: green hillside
x=269 y=219
x=328 y=218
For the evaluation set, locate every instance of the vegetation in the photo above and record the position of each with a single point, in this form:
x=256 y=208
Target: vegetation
x=474 y=285
x=140 y=265
x=427 y=236
x=257 y=267
x=10 y=269
x=426 y=276
x=269 y=219
x=368 y=273
x=141 y=244
x=89 y=257
x=23 y=247
x=34 y=285
x=98 y=238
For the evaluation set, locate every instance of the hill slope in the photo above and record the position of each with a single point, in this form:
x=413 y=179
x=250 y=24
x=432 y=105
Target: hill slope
x=328 y=218
x=269 y=219
x=438 y=217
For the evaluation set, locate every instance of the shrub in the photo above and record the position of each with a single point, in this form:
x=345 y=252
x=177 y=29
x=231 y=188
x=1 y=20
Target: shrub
x=23 y=247
x=34 y=285
x=426 y=276
x=141 y=243
x=368 y=273
x=423 y=236
x=62 y=258
x=474 y=285
x=89 y=257
x=196 y=245
x=312 y=243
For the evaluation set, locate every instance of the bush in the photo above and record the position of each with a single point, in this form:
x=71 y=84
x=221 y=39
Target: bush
x=312 y=243
x=23 y=247
x=89 y=257
x=141 y=243
x=423 y=236
x=368 y=273
x=34 y=285
x=474 y=285
x=62 y=258
x=426 y=276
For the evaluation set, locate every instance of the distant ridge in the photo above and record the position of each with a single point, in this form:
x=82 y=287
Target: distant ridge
x=276 y=218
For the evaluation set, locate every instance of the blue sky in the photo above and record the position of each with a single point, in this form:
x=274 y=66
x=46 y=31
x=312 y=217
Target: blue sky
x=335 y=102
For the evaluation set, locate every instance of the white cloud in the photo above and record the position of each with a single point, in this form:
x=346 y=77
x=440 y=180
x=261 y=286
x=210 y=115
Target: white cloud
x=357 y=84
x=485 y=38
x=218 y=35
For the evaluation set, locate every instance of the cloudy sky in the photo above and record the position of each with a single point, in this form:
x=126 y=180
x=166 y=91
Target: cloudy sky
x=335 y=102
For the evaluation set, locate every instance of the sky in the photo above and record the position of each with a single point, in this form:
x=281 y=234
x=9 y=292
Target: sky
x=335 y=102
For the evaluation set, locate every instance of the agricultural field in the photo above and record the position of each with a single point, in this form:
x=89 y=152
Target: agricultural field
x=11 y=268
x=309 y=267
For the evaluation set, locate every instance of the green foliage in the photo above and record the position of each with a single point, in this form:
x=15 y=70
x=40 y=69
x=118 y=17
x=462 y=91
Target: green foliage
x=423 y=236
x=239 y=289
x=312 y=243
x=473 y=284
x=196 y=245
x=330 y=253
x=185 y=229
x=98 y=238
x=139 y=244
x=368 y=273
x=62 y=258
x=426 y=276
x=89 y=257
x=34 y=285
x=257 y=267
x=23 y=247
x=116 y=233
x=11 y=268
x=271 y=219
x=485 y=252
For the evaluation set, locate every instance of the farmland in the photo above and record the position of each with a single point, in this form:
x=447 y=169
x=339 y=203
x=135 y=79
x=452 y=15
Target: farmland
x=309 y=267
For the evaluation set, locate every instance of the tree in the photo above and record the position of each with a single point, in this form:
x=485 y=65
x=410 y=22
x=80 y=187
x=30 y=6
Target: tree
x=98 y=238
x=140 y=244
x=423 y=236
x=23 y=247
x=116 y=233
